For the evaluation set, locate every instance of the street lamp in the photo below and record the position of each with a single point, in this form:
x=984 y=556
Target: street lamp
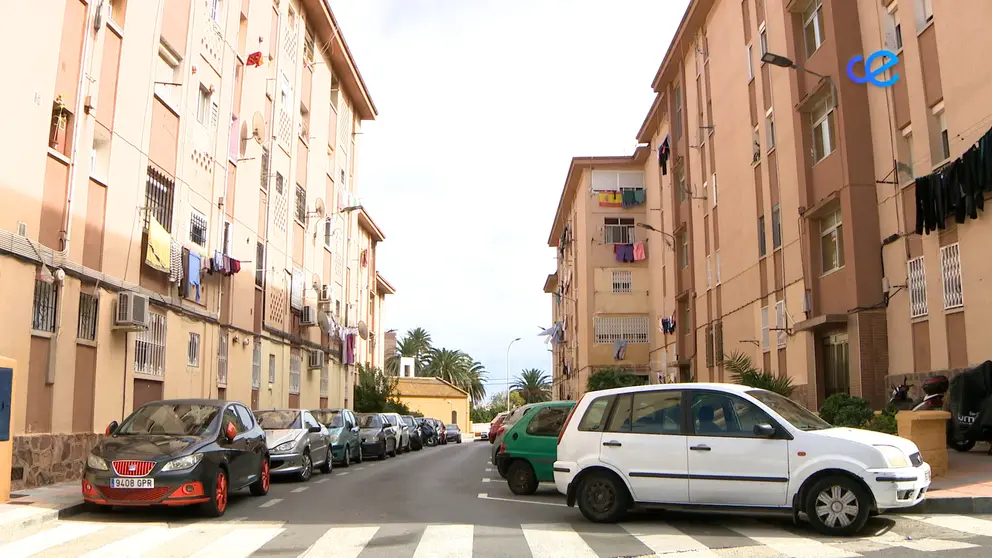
x=669 y=239
x=508 y=373
x=783 y=62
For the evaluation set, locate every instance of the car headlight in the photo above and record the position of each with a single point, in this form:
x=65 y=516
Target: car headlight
x=334 y=438
x=96 y=462
x=183 y=463
x=285 y=446
x=894 y=457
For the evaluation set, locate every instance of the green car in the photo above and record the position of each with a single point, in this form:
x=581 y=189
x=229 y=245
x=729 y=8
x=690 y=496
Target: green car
x=342 y=425
x=529 y=449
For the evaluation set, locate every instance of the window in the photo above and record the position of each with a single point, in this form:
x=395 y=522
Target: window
x=612 y=329
x=158 y=197
x=709 y=346
x=678 y=112
x=709 y=272
x=893 y=29
x=222 y=349
x=149 y=347
x=285 y=95
x=592 y=420
x=264 y=176
x=301 y=204
x=259 y=264
x=905 y=153
x=765 y=339
x=547 y=422
x=755 y=145
x=197 y=228
x=193 y=350
x=684 y=249
x=917 y=283
x=713 y=182
x=821 y=125
x=763 y=40
x=304 y=125
x=454 y=417
x=280 y=183
x=717 y=266
x=247 y=419
x=781 y=323
x=720 y=414
x=924 y=13
x=216 y=13
x=117 y=10
x=100 y=154
x=950 y=272
x=272 y=369
x=750 y=62
x=836 y=365
x=776 y=227
x=680 y=182
x=611 y=181
x=167 y=77
x=648 y=412
x=622 y=282
x=295 y=366
x=203 y=105
x=45 y=305
x=328 y=232
x=325 y=380
x=89 y=306
x=256 y=365
x=60 y=131
x=770 y=129
x=943 y=143
x=228 y=237
x=308 y=47
x=813 y=26
x=762 y=248
x=831 y=242
x=618 y=230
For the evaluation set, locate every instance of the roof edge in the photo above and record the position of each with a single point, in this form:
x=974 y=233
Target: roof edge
x=388 y=287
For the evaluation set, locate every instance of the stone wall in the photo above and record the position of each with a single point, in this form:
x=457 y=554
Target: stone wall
x=41 y=459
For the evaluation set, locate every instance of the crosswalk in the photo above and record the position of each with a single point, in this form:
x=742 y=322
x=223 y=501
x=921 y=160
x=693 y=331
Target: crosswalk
x=116 y=537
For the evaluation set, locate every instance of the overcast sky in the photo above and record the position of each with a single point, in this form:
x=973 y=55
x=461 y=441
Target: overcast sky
x=482 y=105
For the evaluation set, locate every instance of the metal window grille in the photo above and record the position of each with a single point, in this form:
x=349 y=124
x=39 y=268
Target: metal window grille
x=159 y=190
x=279 y=183
x=622 y=282
x=709 y=271
x=917 y=288
x=716 y=267
x=264 y=177
x=149 y=347
x=324 y=381
x=193 y=350
x=256 y=365
x=631 y=329
x=780 y=323
x=709 y=346
x=718 y=341
x=950 y=271
x=618 y=231
x=86 y=325
x=197 y=228
x=214 y=115
x=308 y=47
x=272 y=369
x=260 y=264
x=222 y=347
x=765 y=338
x=45 y=303
x=301 y=204
x=776 y=227
x=762 y=248
x=295 y=366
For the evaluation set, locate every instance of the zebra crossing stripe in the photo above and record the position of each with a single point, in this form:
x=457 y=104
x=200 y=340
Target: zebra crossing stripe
x=137 y=544
x=790 y=544
x=49 y=538
x=665 y=539
x=920 y=545
x=446 y=541
x=961 y=523
x=557 y=540
x=240 y=543
x=341 y=542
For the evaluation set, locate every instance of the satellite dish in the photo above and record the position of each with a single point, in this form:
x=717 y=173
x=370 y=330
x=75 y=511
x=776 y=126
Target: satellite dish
x=318 y=207
x=244 y=137
x=258 y=127
x=363 y=330
x=316 y=282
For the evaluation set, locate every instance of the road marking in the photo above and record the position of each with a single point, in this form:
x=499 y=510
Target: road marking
x=783 y=542
x=343 y=473
x=270 y=503
x=921 y=544
x=486 y=479
x=485 y=496
x=239 y=543
x=446 y=541
x=341 y=542
x=961 y=523
x=137 y=544
x=359 y=468
x=300 y=489
x=323 y=480
x=50 y=538
x=556 y=540
x=489 y=469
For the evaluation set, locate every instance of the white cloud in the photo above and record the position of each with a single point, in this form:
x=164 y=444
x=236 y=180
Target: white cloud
x=483 y=103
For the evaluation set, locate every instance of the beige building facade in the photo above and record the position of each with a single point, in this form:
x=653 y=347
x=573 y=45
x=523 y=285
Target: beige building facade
x=181 y=215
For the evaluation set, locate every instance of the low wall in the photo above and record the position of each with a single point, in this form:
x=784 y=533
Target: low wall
x=41 y=459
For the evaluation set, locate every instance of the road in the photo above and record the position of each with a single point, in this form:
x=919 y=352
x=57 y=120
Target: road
x=448 y=502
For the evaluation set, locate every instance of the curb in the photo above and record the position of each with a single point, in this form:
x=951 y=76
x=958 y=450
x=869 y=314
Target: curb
x=979 y=505
x=41 y=517
x=71 y=510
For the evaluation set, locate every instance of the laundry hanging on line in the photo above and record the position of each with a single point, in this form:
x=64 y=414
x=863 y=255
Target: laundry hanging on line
x=956 y=190
x=638 y=252
x=663 y=152
x=624 y=252
x=619 y=349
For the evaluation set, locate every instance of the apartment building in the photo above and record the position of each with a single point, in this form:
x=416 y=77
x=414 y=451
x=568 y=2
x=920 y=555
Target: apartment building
x=601 y=305
x=181 y=215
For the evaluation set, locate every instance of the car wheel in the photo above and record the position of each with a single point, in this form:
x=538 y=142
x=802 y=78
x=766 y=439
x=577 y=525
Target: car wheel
x=385 y=453
x=326 y=467
x=837 y=506
x=359 y=457
x=603 y=498
x=395 y=449
x=218 y=497
x=502 y=469
x=347 y=457
x=459 y=439
x=521 y=478
x=261 y=486
x=307 y=471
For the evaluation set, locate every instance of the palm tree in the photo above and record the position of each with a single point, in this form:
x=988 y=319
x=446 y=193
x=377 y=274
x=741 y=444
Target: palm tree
x=743 y=372
x=416 y=344
x=533 y=385
x=477 y=377
x=456 y=367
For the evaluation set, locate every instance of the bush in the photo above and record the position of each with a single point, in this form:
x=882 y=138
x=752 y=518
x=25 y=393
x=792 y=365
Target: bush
x=608 y=378
x=885 y=422
x=744 y=373
x=841 y=409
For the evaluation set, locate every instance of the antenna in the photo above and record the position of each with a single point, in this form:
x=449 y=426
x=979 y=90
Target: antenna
x=258 y=127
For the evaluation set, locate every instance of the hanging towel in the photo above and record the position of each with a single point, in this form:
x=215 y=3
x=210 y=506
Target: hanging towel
x=619 y=349
x=639 y=253
x=627 y=198
x=610 y=199
x=194 y=273
x=217 y=263
x=639 y=197
x=175 y=262
x=663 y=151
x=159 y=254
x=183 y=283
x=235 y=266
x=627 y=252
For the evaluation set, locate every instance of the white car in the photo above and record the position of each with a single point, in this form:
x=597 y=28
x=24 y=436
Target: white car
x=728 y=447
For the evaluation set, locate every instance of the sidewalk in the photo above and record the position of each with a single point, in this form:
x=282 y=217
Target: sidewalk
x=966 y=489
x=29 y=509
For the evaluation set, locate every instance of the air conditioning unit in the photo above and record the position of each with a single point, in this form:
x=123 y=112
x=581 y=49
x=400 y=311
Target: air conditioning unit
x=131 y=313
x=325 y=293
x=315 y=359
x=308 y=316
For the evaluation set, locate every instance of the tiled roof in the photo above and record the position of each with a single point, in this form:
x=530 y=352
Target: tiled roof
x=428 y=387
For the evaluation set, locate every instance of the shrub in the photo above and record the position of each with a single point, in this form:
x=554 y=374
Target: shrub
x=885 y=421
x=841 y=409
x=744 y=373
x=607 y=378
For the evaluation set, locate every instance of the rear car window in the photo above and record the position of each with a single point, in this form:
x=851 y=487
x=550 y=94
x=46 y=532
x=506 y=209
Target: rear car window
x=547 y=422
x=595 y=414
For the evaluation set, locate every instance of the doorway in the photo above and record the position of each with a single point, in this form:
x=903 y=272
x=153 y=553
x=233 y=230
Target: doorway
x=836 y=365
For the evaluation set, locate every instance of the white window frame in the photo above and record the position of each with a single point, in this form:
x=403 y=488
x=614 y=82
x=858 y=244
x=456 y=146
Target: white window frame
x=614 y=181
x=295 y=371
x=781 y=323
x=765 y=334
x=168 y=93
x=195 y=216
x=193 y=350
x=203 y=101
x=152 y=342
x=328 y=233
x=223 y=346
x=610 y=329
x=684 y=250
x=713 y=183
x=762 y=39
x=770 y=129
x=619 y=230
x=916 y=283
x=825 y=124
x=256 y=364
x=832 y=225
x=813 y=16
x=272 y=369
x=216 y=11
x=750 y=62
x=228 y=237
x=894 y=41
x=950 y=273
x=776 y=227
x=622 y=281
x=709 y=271
x=943 y=139
x=716 y=268
x=924 y=14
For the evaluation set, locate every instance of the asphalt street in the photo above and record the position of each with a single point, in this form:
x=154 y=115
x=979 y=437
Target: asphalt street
x=449 y=502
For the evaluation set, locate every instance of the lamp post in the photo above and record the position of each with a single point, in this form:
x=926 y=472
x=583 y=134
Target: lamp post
x=508 y=373
x=783 y=62
x=669 y=239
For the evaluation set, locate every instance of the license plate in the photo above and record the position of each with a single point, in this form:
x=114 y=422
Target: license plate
x=132 y=483
x=928 y=476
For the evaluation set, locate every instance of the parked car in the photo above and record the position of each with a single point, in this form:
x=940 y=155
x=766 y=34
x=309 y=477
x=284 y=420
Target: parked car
x=402 y=432
x=728 y=446
x=297 y=442
x=511 y=418
x=178 y=453
x=494 y=426
x=530 y=447
x=342 y=431
x=453 y=433
x=378 y=436
x=439 y=427
x=416 y=440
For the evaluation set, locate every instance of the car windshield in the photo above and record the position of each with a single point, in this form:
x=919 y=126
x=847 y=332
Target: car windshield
x=369 y=421
x=279 y=420
x=330 y=419
x=409 y=421
x=170 y=420
x=794 y=413
x=452 y=427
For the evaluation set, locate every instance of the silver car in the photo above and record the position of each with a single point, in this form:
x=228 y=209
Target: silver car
x=402 y=431
x=296 y=442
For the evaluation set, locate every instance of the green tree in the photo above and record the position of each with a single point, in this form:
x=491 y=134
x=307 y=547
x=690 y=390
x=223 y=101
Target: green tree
x=375 y=391
x=416 y=344
x=497 y=404
x=533 y=385
x=613 y=377
x=456 y=367
x=744 y=373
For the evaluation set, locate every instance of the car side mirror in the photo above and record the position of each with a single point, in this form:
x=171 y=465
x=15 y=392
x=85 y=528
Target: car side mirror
x=315 y=429
x=230 y=432
x=354 y=429
x=112 y=428
x=764 y=430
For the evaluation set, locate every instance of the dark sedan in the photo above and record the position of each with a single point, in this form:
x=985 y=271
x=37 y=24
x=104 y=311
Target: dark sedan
x=453 y=433
x=178 y=453
x=379 y=438
x=416 y=438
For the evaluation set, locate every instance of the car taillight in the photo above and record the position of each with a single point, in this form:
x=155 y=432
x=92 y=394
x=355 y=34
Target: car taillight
x=568 y=419
x=502 y=447
x=500 y=430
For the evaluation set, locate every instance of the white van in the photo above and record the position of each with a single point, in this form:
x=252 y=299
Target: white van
x=729 y=447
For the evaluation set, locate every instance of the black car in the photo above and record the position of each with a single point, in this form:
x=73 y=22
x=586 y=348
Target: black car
x=416 y=436
x=178 y=453
x=379 y=438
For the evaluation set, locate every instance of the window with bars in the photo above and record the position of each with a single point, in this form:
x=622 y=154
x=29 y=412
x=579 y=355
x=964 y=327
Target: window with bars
x=780 y=323
x=45 y=304
x=709 y=346
x=301 y=204
x=632 y=329
x=222 y=348
x=618 y=230
x=295 y=366
x=279 y=183
x=264 y=176
x=765 y=337
x=259 y=264
x=256 y=365
x=622 y=282
x=193 y=350
x=709 y=271
x=776 y=227
x=716 y=266
x=950 y=272
x=159 y=190
x=718 y=343
x=917 y=284
x=88 y=312
x=149 y=347
x=197 y=228
x=272 y=369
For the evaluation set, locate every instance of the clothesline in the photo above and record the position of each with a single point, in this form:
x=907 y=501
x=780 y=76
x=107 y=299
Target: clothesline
x=958 y=189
